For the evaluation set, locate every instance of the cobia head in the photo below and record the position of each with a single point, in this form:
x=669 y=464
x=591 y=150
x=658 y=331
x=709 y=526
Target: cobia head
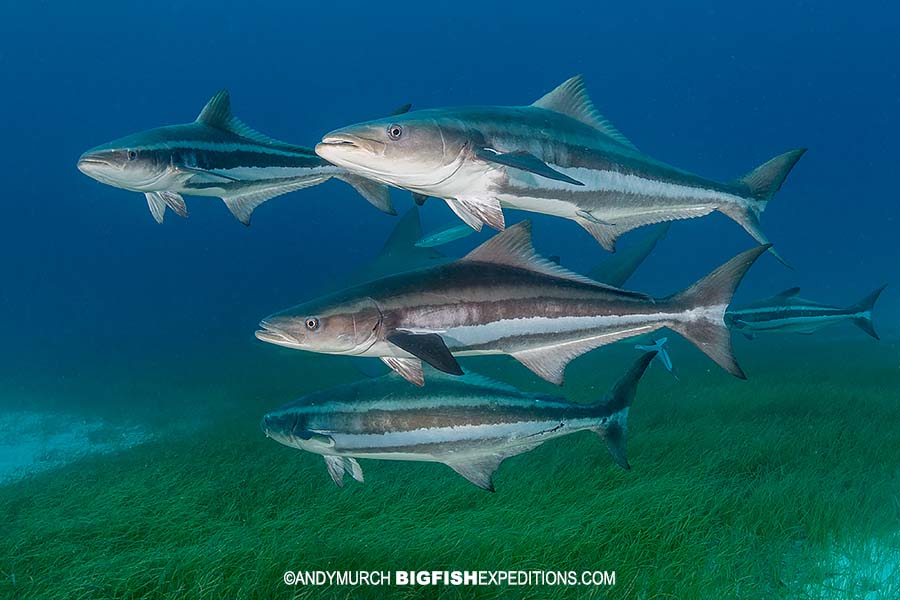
x=417 y=150
x=131 y=163
x=289 y=425
x=329 y=326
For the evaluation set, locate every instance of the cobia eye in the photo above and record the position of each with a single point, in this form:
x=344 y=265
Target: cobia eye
x=132 y=154
x=394 y=132
x=312 y=323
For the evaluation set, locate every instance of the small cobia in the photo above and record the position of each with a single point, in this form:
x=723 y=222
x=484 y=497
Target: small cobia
x=503 y=298
x=469 y=423
x=216 y=155
x=787 y=311
x=557 y=156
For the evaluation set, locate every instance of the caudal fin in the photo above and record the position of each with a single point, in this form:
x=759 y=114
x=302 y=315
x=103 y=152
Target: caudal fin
x=614 y=425
x=863 y=310
x=759 y=186
x=703 y=306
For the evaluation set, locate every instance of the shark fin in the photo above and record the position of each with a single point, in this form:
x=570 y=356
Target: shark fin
x=710 y=297
x=760 y=184
x=478 y=470
x=217 y=114
x=864 y=310
x=614 y=428
x=570 y=98
x=429 y=347
x=376 y=193
x=409 y=369
x=524 y=161
x=513 y=247
x=419 y=199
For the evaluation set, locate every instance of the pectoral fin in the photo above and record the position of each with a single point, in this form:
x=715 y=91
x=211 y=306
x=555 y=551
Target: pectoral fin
x=338 y=465
x=158 y=201
x=429 y=347
x=409 y=369
x=419 y=199
x=207 y=175
x=525 y=162
x=376 y=193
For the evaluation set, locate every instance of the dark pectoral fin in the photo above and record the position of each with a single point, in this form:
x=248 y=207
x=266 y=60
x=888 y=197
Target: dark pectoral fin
x=419 y=199
x=430 y=347
x=401 y=110
x=526 y=162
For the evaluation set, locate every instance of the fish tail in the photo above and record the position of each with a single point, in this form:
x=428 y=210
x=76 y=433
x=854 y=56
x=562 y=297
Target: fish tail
x=615 y=407
x=863 y=311
x=759 y=186
x=703 y=306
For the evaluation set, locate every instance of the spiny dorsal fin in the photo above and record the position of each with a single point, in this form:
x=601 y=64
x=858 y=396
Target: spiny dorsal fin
x=217 y=113
x=513 y=247
x=571 y=99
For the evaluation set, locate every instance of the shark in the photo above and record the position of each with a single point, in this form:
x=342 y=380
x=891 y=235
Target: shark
x=469 y=423
x=557 y=156
x=503 y=298
x=216 y=155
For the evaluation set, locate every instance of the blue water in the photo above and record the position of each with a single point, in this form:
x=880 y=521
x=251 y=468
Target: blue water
x=89 y=276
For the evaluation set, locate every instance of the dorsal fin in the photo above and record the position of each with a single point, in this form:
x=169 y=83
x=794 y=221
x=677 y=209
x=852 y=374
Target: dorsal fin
x=513 y=247
x=571 y=99
x=217 y=113
x=788 y=293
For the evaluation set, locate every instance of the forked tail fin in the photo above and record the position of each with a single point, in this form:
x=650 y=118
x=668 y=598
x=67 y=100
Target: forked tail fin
x=759 y=186
x=863 y=310
x=702 y=308
x=613 y=427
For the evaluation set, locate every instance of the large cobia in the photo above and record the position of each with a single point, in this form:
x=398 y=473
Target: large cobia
x=216 y=155
x=469 y=423
x=503 y=298
x=558 y=156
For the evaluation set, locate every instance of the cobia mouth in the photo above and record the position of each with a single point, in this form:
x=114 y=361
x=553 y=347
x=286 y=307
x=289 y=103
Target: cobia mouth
x=346 y=141
x=273 y=335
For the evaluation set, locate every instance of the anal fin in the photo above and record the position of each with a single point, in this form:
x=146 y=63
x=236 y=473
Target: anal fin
x=478 y=470
x=549 y=362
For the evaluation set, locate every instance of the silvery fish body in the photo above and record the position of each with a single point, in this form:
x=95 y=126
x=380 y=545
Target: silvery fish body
x=787 y=311
x=216 y=155
x=557 y=156
x=503 y=298
x=469 y=423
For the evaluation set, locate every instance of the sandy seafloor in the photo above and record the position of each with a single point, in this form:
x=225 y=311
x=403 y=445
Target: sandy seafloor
x=162 y=485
